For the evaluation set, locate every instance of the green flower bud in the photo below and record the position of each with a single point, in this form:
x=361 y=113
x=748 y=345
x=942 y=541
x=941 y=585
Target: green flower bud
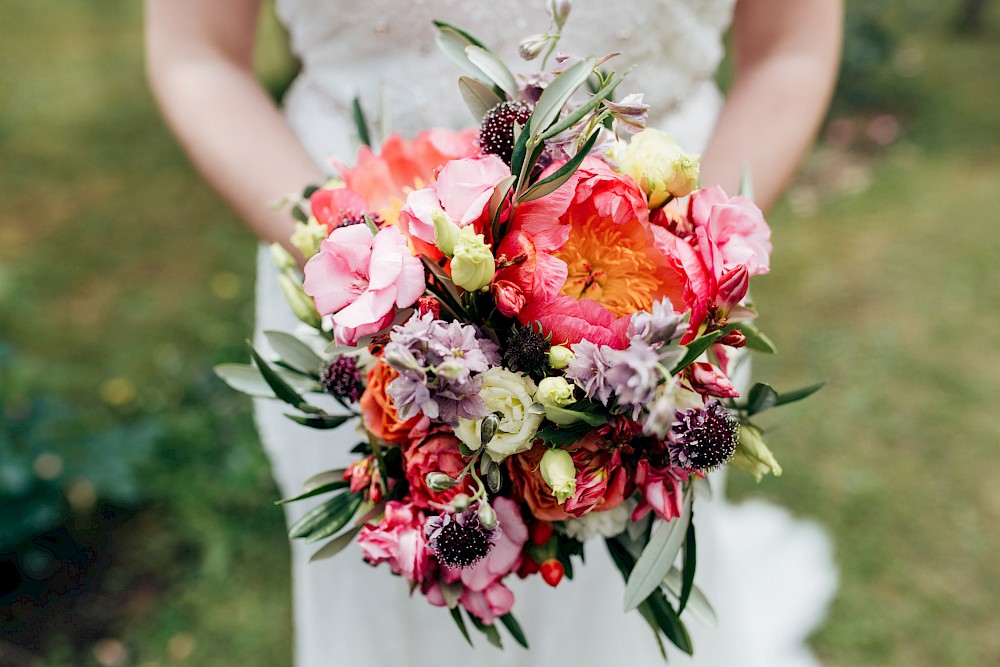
x=472 y=265
x=461 y=502
x=487 y=517
x=559 y=357
x=446 y=232
x=554 y=392
x=438 y=481
x=282 y=258
x=301 y=303
x=559 y=473
x=753 y=455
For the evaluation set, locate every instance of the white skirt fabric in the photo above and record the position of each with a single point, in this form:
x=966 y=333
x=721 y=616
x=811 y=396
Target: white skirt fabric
x=768 y=575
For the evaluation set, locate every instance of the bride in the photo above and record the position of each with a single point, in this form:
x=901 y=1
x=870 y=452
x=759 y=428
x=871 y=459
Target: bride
x=768 y=575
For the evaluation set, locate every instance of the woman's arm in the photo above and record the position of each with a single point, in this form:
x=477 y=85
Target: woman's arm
x=200 y=64
x=786 y=56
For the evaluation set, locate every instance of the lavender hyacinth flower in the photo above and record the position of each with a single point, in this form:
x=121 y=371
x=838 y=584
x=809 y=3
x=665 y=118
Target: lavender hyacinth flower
x=438 y=364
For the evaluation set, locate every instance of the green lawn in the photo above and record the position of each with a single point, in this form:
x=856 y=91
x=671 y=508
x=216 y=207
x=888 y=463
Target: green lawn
x=122 y=280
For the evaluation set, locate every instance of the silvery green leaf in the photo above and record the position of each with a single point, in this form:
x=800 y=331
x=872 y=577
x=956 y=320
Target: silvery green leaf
x=294 y=352
x=489 y=64
x=336 y=545
x=329 y=487
x=698 y=604
x=756 y=339
x=324 y=478
x=514 y=628
x=799 y=394
x=336 y=519
x=319 y=421
x=577 y=114
x=563 y=174
x=478 y=97
x=636 y=529
x=557 y=94
x=453 y=43
x=657 y=558
x=761 y=397
x=248 y=380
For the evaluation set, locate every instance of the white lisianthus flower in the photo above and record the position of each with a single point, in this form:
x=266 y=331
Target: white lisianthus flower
x=606 y=524
x=473 y=265
x=660 y=167
x=510 y=396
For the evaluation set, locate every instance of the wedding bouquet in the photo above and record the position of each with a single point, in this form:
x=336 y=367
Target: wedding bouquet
x=537 y=322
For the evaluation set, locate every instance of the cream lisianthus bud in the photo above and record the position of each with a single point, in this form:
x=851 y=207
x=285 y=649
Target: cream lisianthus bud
x=473 y=265
x=302 y=305
x=487 y=515
x=555 y=392
x=560 y=11
x=559 y=473
x=660 y=167
x=445 y=232
x=281 y=257
x=307 y=237
x=531 y=47
x=753 y=455
x=559 y=357
x=461 y=502
x=438 y=481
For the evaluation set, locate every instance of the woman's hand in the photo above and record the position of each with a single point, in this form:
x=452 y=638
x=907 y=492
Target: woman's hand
x=786 y=57
x=200 y=65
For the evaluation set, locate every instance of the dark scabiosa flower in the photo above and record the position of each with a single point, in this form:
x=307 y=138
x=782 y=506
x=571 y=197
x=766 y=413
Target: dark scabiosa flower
x=703 y=438
x=460 y=540
x=342 y=378
x=496 y=135
x=348 y=218
x=527 y=351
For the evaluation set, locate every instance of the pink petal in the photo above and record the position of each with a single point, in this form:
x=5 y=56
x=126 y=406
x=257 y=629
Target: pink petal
x=411 y=283
x=327 y=281
x=387 y=258
x=370 y=307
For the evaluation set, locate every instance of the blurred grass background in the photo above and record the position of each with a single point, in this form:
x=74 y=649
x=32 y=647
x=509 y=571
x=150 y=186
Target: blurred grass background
x=135 y=518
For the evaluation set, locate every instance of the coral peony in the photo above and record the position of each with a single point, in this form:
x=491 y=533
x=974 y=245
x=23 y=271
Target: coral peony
x=403 y=165
x=362 y=278
x=332 y=206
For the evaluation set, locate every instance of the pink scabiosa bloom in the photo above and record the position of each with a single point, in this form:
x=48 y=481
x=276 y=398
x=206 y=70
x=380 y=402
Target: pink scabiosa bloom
x=398 y=540
x=735 y=225
x=362 y=279
x=660 y=490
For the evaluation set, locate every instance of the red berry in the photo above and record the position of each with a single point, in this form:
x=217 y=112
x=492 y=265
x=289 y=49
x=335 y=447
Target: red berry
x=552 y=572
x=529 y=566
x=541 y=533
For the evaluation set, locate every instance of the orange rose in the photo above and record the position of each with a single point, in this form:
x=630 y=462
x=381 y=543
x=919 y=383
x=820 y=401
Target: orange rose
x=379 y=414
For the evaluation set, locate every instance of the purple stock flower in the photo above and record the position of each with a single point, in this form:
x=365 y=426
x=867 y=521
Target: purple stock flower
x=660 y=326
x=589 y=367
x=438 y=364
x=630 y=376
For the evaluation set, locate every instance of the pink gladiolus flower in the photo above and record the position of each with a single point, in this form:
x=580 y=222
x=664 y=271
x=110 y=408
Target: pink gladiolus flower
x=489 y=604
x=660 y=489
x=362 y=278
x=398 y=540
x=736 y=226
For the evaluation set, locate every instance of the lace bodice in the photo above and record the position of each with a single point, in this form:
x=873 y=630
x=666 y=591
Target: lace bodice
x=384 y=52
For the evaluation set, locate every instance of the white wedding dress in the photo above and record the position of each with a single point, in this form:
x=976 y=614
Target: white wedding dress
x=768 y=575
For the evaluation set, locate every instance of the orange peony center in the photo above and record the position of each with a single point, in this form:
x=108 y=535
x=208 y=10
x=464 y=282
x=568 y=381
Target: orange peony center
x=615 y=265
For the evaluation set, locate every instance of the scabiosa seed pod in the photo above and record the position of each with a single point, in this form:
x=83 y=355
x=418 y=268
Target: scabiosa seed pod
x=342 y=378
x=460 y=540
x=348 y=218
x=703 y=439
x=496 y=135
x=527 y=351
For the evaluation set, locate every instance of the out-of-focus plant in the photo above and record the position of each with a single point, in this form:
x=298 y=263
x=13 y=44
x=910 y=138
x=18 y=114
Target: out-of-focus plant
x=54 y=465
